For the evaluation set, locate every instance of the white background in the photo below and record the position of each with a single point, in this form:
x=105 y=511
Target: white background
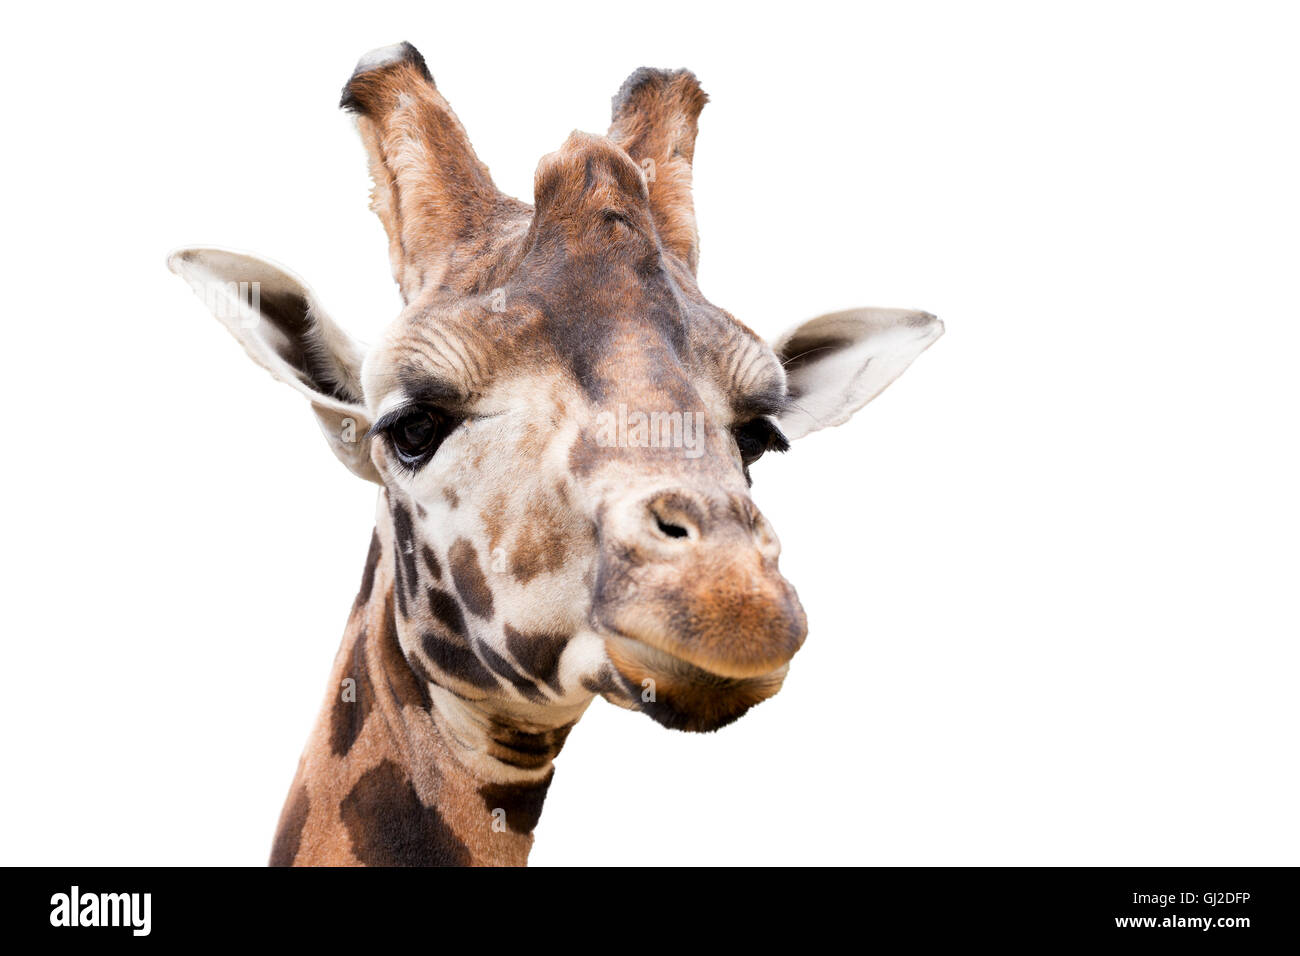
x=1051 y=573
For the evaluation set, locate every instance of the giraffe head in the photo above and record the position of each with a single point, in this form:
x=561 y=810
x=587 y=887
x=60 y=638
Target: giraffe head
x=561 y=423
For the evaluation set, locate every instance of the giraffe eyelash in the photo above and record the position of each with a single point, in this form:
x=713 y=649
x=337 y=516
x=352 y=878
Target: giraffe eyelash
x=414 y=433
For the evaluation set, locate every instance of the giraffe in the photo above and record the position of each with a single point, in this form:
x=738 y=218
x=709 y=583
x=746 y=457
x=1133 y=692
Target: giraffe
x=561 y=427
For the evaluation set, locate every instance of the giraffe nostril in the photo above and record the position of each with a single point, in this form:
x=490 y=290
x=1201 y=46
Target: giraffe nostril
x=670 y=529
x=675 y=516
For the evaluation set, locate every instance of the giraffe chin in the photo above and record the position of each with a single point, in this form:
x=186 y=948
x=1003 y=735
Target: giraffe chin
x=685 y=696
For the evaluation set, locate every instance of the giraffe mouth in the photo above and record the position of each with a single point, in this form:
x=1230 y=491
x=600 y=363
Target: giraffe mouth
x=682 y=695
x=653 y=656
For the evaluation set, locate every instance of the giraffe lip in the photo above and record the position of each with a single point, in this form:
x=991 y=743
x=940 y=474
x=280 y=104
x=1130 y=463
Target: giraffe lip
x=682 y=695
x=655 y=658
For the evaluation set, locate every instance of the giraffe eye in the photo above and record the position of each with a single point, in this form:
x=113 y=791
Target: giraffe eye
x=416 y=435
x=757 y=436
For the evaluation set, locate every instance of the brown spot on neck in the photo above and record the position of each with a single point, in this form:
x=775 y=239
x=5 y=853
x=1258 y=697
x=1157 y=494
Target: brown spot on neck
x=389 y=825
x=521 y=803
x=380 y=784
x=354 y=698
x=368 y=574
x=525 y=749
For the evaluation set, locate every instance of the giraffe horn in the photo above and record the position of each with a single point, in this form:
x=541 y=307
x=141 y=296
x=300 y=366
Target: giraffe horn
x=655 y=119
x=429 y=186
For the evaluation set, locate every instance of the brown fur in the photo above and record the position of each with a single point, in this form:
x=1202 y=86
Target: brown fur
x=396 y=795
x=562 y=426
x=656 y=117
x=446 y=754
x=431 y=212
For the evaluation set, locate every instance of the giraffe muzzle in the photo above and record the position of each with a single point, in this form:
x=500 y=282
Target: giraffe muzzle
x=693 y=578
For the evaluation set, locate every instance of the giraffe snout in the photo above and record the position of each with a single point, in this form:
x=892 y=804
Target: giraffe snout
x=693 y=577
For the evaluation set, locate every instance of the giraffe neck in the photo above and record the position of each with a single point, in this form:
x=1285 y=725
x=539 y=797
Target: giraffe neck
x=400 y=772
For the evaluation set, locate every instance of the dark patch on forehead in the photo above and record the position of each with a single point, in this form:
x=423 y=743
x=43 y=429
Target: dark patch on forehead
x=288 y=834
x=468 y=576
x=348 y=717
x=368 y=575
x=522 y=802
x=389 y=826
x=538 y=654
x=618 y=324
x=595 y=272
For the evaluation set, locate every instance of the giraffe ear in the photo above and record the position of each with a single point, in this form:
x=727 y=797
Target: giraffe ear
x=282 y=327
x=837 y=363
